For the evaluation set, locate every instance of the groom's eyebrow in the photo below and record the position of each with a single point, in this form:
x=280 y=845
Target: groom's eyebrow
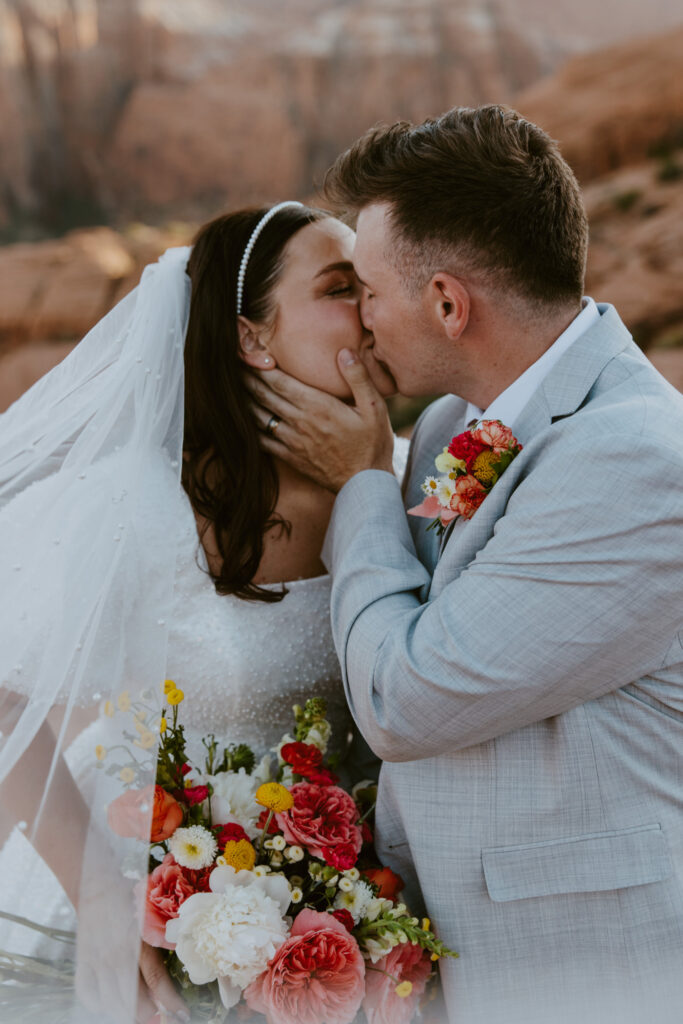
x=341 y=265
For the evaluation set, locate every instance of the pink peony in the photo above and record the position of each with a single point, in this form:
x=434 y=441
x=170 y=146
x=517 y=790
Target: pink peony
x=468 y=496
x=492 y=434
x=129 y=815
x=166 y=889
x=317 y=975
x=322 y=820
x=382 y=1005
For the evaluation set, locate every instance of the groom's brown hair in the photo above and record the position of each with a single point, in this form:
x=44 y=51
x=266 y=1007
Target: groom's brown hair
x=476 y=190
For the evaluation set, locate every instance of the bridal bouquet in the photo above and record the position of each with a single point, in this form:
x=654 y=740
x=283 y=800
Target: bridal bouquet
x=263 y=887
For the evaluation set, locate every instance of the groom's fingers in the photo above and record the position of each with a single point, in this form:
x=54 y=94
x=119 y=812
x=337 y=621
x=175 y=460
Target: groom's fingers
x=298 y=395
x=366 y=397
x=270 y=399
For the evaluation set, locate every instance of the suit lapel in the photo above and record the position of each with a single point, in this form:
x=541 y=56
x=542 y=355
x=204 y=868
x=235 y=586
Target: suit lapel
x=561 y=393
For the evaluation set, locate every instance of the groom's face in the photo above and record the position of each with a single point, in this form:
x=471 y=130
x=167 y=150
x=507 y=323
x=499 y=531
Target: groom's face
x=398 y=320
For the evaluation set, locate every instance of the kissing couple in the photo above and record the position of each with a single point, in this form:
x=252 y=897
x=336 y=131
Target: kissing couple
x=213 y=471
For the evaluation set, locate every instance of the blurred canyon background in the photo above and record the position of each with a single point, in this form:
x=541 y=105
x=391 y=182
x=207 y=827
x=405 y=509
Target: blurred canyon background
x=126 y=123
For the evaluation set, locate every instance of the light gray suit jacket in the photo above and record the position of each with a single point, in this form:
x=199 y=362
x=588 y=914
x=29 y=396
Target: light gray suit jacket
x=525 y=687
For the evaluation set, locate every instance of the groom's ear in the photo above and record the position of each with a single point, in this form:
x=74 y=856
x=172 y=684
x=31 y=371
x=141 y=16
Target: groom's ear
x=252 y=349
x=450 y=302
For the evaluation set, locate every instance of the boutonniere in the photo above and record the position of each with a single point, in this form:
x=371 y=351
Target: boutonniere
x=470 y=465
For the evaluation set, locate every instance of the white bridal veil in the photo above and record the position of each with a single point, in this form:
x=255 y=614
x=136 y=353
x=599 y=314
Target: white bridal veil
x=85 y=591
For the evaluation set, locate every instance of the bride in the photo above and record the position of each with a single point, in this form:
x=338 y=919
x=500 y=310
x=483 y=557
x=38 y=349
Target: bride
x=145 y=534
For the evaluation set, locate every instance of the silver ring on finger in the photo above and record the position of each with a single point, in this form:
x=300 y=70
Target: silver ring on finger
x=272 y=425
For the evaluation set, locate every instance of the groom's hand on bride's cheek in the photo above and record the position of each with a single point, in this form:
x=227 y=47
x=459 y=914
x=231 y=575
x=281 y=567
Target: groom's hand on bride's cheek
x=319 y=435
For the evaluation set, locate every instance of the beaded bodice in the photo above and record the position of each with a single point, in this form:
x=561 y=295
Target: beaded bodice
x=243 y=664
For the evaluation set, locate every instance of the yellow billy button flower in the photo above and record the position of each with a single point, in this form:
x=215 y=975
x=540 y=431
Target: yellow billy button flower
x=434 y=957
x=482 y=468
x=274 y=796
x=124 y=701
x=239 y=854
x=175 y=697
x=163 y=725
x=404 y=989
x=147 y=740
x=426 y=924
x=100 y=752
x=168 y=685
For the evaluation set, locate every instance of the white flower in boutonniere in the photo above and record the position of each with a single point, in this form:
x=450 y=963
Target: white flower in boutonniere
x=470 y=465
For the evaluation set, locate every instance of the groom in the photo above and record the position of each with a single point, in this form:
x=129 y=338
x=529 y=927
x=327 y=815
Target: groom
x=522 y=675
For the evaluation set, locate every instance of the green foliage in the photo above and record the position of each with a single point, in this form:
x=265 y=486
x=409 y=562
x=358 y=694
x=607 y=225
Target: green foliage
x=669 y=170
x=625 y=201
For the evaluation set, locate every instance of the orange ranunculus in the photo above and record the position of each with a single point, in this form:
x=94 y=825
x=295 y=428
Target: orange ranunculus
x=390 y=884
x=128 y=815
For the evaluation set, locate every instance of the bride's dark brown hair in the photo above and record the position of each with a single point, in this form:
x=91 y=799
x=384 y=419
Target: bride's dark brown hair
x=229 y=479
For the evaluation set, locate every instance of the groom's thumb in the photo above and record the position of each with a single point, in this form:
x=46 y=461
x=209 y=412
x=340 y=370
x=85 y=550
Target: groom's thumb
x=364 y=392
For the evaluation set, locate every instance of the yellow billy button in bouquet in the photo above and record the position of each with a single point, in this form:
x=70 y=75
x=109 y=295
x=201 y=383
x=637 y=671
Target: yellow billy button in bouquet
x=277 y=799
x=238 y=854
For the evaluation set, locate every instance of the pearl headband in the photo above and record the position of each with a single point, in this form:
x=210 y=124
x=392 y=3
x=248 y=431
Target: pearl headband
x=252 y=242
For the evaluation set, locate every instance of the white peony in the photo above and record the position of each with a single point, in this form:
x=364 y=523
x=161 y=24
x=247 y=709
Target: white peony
x=233 y=800
x=232 y=932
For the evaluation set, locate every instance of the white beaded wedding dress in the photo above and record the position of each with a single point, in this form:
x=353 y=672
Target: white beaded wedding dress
x=242 y=666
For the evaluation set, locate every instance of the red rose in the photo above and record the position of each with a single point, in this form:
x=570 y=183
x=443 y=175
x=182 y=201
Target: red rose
x=303 y=757
x=323 y=818
x=466 y=447
x=166 y=889
x=322 y=777
x=129 y=814
x=345 y=917
x=195 y=795
x=341 y=857
x=229 y=833
x=390 y=884
x=468 y=496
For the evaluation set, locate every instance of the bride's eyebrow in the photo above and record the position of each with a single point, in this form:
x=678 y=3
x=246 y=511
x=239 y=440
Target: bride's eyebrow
x=345 y=265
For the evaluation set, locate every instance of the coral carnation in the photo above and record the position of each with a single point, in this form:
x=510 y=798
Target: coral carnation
x=493 y=434
x=317 y=975
x=469 y=494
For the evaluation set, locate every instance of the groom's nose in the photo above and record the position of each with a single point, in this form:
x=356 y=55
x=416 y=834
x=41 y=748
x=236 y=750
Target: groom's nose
x=365 y=310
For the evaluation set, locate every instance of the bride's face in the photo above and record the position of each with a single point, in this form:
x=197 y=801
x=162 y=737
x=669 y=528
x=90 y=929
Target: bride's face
x=317 y=300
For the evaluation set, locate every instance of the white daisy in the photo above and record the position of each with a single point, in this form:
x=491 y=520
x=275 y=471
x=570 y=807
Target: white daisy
x=445 y=491
x=194 y=847
x=356 y=902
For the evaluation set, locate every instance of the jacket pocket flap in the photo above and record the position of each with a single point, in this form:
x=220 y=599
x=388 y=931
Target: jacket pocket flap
x=595 y=862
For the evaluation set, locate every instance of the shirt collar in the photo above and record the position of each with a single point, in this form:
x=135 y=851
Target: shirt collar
x=508 y=405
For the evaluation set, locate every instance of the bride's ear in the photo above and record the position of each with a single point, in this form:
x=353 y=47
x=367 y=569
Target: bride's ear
x=252 y=349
